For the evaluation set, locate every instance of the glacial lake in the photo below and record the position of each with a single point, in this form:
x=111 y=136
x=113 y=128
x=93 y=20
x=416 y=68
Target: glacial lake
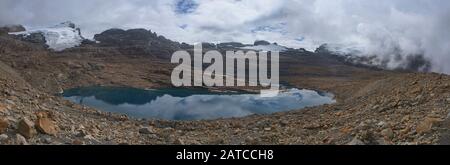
x=192 y=104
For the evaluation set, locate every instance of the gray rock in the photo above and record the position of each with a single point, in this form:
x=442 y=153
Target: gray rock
x=82 y=133
x=387 y=133
x=10 y=102
x=179 y=141
x=26 y=128
x=21 y=140
x=3 y=137
x=46 y=140
x=356 y=141
x=146 y=130
x=381 y=124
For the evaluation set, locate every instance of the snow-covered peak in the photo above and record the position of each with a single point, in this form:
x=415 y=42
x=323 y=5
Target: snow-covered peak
x=58 y=37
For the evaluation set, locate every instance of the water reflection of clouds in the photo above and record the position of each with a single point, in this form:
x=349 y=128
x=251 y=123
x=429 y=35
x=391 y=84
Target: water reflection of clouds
x=213 y=106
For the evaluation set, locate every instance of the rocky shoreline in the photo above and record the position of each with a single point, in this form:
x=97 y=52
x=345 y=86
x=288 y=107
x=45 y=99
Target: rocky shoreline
x=413 y=113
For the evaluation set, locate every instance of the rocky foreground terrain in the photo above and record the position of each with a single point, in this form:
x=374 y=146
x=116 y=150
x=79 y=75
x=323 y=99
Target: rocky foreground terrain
x=374 y=106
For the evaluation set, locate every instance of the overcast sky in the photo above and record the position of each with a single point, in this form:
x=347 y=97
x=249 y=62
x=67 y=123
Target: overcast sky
x=376 y=27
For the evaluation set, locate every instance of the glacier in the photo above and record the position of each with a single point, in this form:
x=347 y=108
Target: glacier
x=59 y=37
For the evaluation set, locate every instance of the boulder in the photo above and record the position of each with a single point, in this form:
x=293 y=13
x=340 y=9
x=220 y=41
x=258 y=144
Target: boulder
x=46 y=126
x=3 y=108
x=356 y=141
x=21 y=140
x=3 y=137
x=388 y=134
x=26 y=128
x=146 y=130
x=4 y=124
x=426 y=125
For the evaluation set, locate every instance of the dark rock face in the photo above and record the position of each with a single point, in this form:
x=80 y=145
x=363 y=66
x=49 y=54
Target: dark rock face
x=186 y=46
x=70 y=24
x=35 y=38
x=261 y=42
x=3 y=32
x=418 y=63
x=138 y=42
x=302 y=49
x=87 y=42
x=322 y=49
x=113 y=37
x=12 y=28
x=206 y=45
x=230 y=45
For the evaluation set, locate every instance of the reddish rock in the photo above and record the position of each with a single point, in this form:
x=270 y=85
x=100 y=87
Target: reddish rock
x=427 y=125
x=77 y=142
x=4 y=124
x=3 y=108
x=42 y=114
x=46 y=126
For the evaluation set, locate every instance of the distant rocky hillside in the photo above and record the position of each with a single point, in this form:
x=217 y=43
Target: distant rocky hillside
x=137 y=42
x=11 y=28
x=142 y=42
x=261 y=42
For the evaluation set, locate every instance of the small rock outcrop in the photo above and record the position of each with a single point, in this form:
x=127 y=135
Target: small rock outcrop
x=12 y=28
x=37 y=38
x=261 y=42
x=137 y=42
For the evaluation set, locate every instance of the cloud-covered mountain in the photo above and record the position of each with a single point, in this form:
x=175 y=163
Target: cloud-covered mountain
x=387 y=29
